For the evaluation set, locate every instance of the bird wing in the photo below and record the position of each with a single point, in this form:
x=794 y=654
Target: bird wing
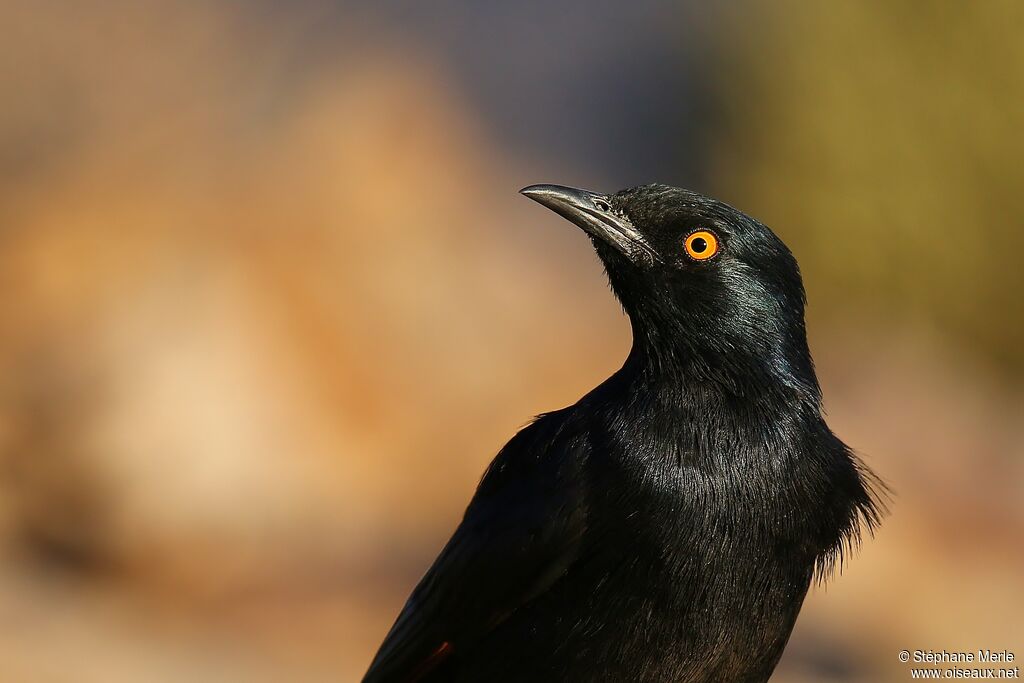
x=520 y=534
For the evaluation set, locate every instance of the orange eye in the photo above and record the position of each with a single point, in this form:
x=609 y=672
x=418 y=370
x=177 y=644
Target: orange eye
x=701 y=245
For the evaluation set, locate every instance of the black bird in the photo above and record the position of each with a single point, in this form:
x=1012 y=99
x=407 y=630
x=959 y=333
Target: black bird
x=668 y=525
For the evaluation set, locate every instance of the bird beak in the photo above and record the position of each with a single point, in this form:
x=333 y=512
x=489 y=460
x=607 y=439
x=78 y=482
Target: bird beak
x=593 y=213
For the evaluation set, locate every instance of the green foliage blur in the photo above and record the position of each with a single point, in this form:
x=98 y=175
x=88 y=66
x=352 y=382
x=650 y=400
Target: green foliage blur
x=885 y=141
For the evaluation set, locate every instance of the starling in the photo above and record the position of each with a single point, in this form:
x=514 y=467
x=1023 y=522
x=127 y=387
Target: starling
x=667 y=526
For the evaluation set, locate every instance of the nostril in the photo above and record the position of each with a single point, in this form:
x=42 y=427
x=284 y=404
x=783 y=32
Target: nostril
x=602 y=205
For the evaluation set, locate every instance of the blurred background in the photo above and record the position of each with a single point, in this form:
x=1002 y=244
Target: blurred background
x=258 y=255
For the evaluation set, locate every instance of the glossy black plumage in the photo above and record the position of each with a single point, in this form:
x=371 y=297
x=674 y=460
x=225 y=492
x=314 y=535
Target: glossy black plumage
x=667 y=526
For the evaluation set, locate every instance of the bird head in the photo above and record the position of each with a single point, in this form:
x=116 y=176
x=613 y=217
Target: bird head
x=710 y=291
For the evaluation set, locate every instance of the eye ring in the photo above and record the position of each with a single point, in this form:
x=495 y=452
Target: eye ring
x=701 y=245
